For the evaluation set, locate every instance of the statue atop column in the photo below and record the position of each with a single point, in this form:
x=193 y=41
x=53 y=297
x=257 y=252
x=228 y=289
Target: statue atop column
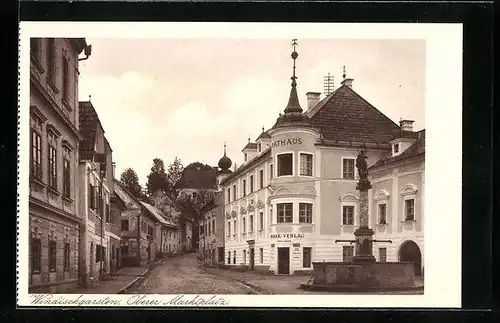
x=362 y=166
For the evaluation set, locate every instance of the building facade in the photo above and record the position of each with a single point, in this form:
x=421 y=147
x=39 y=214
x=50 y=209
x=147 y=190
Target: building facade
x=99 y=236
x=295 y=195
x=211 y=240
x=54 y=143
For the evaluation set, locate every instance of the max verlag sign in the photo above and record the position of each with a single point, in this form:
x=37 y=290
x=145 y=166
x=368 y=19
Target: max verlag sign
x=287 y=235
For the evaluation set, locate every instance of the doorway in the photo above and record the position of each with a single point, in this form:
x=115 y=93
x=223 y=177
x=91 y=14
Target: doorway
x=284 y=261
x=252 y=258
x=410 y=252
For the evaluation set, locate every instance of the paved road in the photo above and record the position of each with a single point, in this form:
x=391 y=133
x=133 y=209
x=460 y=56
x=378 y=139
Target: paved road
x=182 y=275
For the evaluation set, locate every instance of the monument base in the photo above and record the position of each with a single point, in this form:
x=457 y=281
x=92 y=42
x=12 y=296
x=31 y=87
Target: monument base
x=366 y=277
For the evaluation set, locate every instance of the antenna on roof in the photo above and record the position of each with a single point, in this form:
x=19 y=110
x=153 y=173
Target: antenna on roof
x=328 y=84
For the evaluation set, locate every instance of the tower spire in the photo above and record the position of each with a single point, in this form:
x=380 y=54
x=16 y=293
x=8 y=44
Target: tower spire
x=293 y=101
x=224 y=148
x=343 y=75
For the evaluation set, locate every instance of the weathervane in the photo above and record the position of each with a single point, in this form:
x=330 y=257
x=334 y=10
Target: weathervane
x=343 y=75
x=294 y=57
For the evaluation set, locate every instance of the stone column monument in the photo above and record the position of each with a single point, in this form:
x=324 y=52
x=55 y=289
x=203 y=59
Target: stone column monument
x=363 y=234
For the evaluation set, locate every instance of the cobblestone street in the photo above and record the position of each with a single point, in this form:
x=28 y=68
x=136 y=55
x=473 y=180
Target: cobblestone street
x=183 y=275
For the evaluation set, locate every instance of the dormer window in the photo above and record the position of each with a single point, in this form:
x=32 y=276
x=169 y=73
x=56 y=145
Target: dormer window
x=259 y=147
x=395 y=148
x=246 y=157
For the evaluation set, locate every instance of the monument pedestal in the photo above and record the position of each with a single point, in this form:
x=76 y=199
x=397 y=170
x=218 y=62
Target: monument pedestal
x=364 y=243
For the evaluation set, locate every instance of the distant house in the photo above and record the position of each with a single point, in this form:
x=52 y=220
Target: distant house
x=211 y=238
x=199 y=184
x=171 y=233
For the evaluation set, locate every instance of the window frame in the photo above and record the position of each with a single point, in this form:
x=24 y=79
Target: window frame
x=51 y=60
x=261 y=178
x=309 y=264
x=52 y=166
x=343 y=158
x=292 y=153
x=65 y=79
x=36 y=259
x=347 y=257
x=380 y=254
x=379 y=204
x=66 y=256
x=261 y=255
x=409 y=192
x=306 y=209
x=251 y=181
x=36 y=151
x=271 y=171
x=307 y=154
x=405 y=207
x=261 y=220
x=66 y=178
x=244 y=187
x=234 y=193
x=344 y=207
x=284 y=204
x=52 y=255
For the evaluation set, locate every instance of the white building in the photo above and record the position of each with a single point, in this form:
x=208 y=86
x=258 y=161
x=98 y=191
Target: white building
x=295 y=194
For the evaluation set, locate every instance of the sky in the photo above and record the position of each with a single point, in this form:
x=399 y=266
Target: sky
x=167 y=98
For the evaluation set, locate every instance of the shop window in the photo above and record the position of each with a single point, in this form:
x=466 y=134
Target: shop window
x=36 y=255
x=261 y=178
x=285 y=213
x=348 y=214
x=347 y=253
x=382 y=213
x=382 y=252
x=52 y=255
x=305 y=212
x=306 y=257
x=261 y=255
x=66 y=256
x=306 y=164
x=410 y=210
x=348 y=168
x=285 y=164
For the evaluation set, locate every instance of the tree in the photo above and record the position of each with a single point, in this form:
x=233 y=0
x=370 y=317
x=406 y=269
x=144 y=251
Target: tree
x=174 y=173
x=131 y=181
x=157 y=179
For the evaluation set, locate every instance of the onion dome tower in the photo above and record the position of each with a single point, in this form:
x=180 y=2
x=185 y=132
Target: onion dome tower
x=225 y=162
x=293 y=115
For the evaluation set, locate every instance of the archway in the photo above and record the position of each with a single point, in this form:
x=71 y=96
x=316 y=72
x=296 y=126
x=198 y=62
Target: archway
x=410 y=252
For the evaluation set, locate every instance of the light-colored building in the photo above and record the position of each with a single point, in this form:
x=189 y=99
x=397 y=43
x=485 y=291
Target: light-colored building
x=54 y=158
x=99 y=234
x=211 y=240
x=171 y=237
x=295 y=194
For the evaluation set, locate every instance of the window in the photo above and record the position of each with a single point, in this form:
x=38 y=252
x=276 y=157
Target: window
x=261 y=178
x=410 y=210
x=51 y=59
x=382 y=252
x=234 y=257
x=251 y=222
x=228 y=228
x=306 y=257
x=261 y=255
x=244 y=187
x=213 y=225
x=92 y=197
x=382 y=210
x=246 y=157
x=261 y=220
x=229 y=195
x=348 y=168
x=35 y=47
x=285 y=164
x=306 y=164
x=107 y=210
x=235 y=227
x=65 y=73
x=36 y=255
x=244 y=225
x=259 y=148
x=348 y=215
x=285 y=212
x=229 y=257
x=52 y=255
x=251 y=183
x=36 y=155
x=271 y=173
x=244 y=256
x=234 y=192
x=66 y=178
x=52 y=168
x=305 y=213
x=396 y=148
x=347 y=253
x=150 y=230
x=66 y=256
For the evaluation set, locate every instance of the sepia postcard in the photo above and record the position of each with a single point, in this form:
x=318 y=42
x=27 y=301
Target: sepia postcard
x=239 y=165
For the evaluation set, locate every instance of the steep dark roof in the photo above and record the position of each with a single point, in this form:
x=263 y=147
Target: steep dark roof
x=251 y=145
x=344 y=116
x=416 y=149
x=198 y=176
x=89 y=121
x=246 y=166
x=264 y=134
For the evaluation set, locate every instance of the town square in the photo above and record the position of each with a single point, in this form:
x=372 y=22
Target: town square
x=287 y=166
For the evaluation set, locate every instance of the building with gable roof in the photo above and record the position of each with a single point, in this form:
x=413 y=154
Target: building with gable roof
x=295 y=194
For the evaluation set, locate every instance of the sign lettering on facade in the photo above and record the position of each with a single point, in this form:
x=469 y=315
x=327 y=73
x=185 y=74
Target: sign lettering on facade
x=286 y=142
x=287 y=235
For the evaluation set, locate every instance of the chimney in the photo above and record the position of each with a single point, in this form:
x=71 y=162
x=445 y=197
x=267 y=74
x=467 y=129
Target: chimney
x=347 y=82
x=312 y=99
x=406 y=125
